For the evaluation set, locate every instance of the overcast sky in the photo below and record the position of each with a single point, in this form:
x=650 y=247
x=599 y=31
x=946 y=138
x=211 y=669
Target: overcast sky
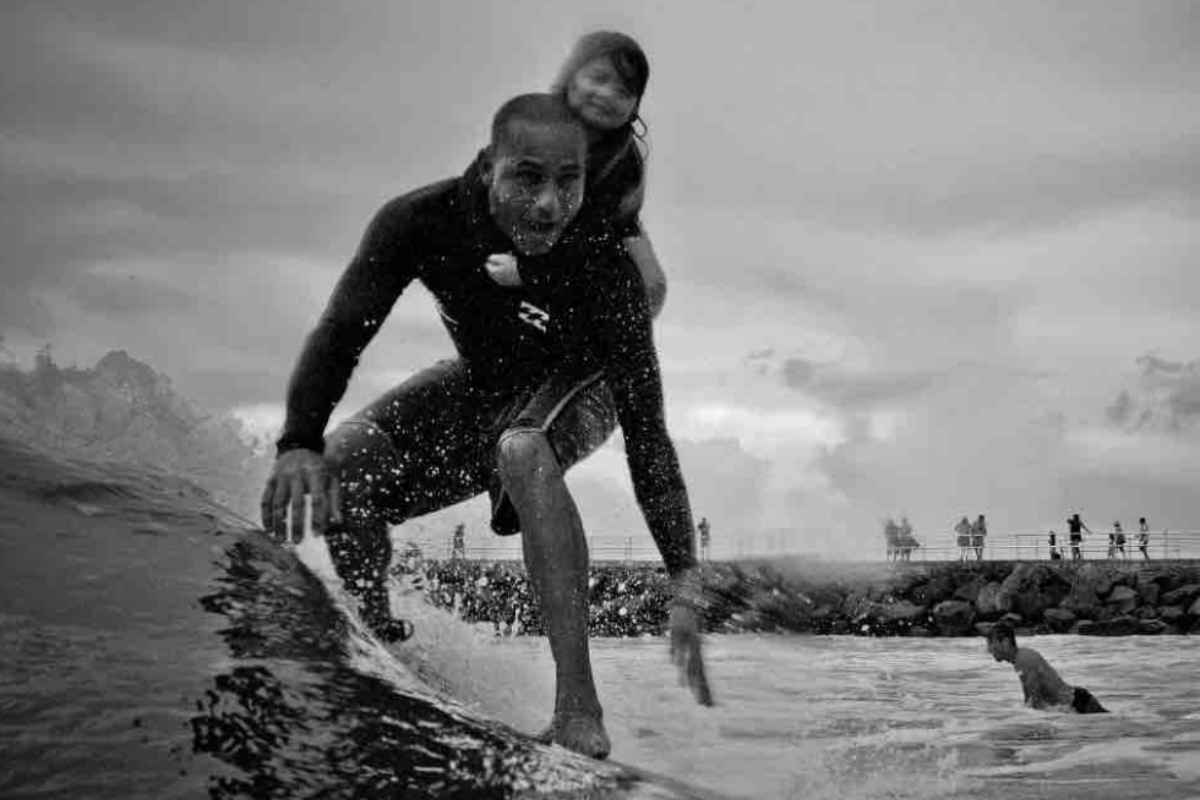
x=934 y=258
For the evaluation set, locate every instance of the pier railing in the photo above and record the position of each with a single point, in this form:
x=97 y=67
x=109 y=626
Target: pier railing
x=1028 y=546
x=1019 y=546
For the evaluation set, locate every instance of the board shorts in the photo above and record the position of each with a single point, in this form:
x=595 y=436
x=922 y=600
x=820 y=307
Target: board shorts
x=1085 y=703
x=432 y=441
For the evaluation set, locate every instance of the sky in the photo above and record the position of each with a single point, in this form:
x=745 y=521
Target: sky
x=924 y=258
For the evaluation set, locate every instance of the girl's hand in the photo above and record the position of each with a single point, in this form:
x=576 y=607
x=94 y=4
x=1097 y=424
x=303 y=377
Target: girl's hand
x=503 y=270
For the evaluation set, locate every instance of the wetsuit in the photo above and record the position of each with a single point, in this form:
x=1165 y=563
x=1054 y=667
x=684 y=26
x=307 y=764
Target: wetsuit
x=581 y=316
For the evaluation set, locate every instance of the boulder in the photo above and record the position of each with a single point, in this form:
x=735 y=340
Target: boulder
x=1148 y=593
x=938 y=588
x=969 y=590
x=990 y=601
x=900 y=611
x=1183 y=596
x=1059 y=619
x=1122 y=599
x=1170 y=614
x=1088 y=584
x=954 y=617
x=1194 y=611
x=1118 y=626
x=1030 y=589
x=855 y=604
x=1154 y=627
x=1104 y=578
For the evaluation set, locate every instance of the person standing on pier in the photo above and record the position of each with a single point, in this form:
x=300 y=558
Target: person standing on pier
x=705 y=537
x=978 y=536
x=1144 y=538
x=963 y=531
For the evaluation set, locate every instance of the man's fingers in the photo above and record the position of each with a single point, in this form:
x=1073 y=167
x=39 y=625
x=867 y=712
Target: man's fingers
x=320 y=504
x=298 y=492
x=265 y=509
x=279 y=510
x=335 y=499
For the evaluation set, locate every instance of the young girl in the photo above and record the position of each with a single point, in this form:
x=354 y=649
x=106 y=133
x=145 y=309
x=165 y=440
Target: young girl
x=603 y=80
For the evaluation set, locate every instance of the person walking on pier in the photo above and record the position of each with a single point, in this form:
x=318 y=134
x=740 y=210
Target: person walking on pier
x=1144 y=538
x=1076 y=528
x=705 y=537
x=1055 y=553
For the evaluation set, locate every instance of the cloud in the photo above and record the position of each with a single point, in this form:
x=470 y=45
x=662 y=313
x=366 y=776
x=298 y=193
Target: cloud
x=1165 y=399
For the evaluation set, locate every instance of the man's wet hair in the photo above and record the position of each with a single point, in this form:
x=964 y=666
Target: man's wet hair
x=536 y=107
x=1002 y=630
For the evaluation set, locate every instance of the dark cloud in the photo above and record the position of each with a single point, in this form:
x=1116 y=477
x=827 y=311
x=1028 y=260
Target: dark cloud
x=120 y=295
x=849 y=389
x=1152 y=365
x=1119 y=412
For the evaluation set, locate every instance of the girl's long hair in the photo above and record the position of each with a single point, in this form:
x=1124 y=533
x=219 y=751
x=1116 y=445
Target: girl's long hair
x=631 y=64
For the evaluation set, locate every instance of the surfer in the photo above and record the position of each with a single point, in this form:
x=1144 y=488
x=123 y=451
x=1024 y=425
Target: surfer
x=1042 y=686
x=491 y=419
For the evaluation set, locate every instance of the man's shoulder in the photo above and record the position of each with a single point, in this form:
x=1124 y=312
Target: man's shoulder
x=1028 y=657
x=428 y=201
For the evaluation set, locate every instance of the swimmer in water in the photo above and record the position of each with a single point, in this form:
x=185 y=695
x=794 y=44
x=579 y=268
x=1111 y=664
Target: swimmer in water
x=1043 y=687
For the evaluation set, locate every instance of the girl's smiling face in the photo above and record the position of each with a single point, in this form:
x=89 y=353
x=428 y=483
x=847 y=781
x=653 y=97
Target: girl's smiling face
x=600 y=96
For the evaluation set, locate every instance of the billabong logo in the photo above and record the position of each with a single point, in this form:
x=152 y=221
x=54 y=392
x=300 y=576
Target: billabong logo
x=532 y=315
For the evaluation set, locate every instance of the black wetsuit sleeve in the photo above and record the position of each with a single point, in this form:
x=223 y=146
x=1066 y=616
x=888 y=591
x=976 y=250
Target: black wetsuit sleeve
x=633 y=376
x=380 y=270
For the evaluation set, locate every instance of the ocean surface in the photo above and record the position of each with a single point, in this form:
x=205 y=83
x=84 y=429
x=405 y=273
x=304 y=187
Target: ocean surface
x=150 y=648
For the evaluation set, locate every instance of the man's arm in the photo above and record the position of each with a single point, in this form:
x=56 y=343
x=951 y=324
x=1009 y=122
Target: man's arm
x=636 y=383
x=362 y=299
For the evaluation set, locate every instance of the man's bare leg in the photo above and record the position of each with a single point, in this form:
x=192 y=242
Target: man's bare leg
x=556 y=558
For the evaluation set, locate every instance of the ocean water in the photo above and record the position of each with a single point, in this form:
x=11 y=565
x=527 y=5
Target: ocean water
x=810 y=717
x=150 y=648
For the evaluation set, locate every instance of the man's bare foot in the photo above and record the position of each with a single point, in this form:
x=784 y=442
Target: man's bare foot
x=582 y=733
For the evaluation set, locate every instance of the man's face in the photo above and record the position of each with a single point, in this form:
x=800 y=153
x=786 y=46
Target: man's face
x=1002 y=649
x=536 y=180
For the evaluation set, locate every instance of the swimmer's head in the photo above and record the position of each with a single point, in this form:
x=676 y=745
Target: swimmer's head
x=1002 y=642
x=534 y=168
x=603 y=80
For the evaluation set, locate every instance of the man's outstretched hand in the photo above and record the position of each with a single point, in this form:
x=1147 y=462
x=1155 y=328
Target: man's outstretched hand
x=686 y=651
x=298 y=473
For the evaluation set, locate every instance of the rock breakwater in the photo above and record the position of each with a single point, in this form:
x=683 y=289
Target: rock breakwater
x=794 y=595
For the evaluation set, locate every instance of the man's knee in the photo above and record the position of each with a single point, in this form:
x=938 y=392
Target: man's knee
x=525 y=458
